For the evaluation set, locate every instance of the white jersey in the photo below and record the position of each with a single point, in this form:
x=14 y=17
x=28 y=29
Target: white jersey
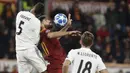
x=85 y=61
x=27 y=30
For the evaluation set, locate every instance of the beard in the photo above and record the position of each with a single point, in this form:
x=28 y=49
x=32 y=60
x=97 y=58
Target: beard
x=48 y=26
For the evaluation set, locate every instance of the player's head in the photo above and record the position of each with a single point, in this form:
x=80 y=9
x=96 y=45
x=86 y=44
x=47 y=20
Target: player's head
x=38 y=9
x=46 y=22
x=87 y=39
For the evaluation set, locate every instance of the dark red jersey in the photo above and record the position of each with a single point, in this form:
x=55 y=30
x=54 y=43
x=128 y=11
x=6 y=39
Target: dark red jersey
x=53 y=52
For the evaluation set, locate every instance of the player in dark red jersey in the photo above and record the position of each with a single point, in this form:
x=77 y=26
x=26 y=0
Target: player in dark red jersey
x=53 y=52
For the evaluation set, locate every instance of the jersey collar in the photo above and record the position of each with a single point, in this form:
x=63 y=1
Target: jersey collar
x=86 y=48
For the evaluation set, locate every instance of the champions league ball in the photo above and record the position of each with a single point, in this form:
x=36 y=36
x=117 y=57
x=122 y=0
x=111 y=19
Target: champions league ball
x=60 y=19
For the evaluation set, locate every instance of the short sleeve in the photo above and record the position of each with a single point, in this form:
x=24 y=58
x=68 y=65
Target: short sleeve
x=43 y=33
x=71 y=55
x=101 y=65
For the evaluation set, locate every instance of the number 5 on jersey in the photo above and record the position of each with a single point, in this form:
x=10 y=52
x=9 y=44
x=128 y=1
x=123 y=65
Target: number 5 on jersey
x=88 y=66
x=20 y=28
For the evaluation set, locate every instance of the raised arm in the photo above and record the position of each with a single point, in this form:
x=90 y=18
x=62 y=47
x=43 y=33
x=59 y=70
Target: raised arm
x=65 y=28
x=61 y=33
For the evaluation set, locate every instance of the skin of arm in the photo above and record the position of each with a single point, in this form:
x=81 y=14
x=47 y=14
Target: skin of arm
x=65 y=66
x=103 y=71
x=57 y=34
x=63 y=31
x=65 y=28
x=68 y=23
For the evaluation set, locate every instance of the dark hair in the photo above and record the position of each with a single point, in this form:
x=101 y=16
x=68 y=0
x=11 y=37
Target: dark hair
x=39 y=9
x=87 y=39
x=42 y=17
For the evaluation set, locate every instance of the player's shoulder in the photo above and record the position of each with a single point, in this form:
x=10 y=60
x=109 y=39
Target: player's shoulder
x=19 y=13
x=95 y=54
x=77 y=50
x=25 y=13
x=74 y=50
x=98 y=56
x=22 y=12
x=36 y=20
x=91 y=52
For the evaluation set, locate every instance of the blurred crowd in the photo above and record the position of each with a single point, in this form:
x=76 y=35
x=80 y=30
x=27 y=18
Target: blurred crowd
x=7 y=31
x=111 y=30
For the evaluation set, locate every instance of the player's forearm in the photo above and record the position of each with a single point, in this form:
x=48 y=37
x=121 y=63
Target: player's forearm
x=65 y=69
x=65 y=28
x=65 y=66
x=57 y=34
x=103 y=71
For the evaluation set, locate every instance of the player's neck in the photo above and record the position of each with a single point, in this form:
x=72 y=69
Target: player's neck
x=86 y=47
x=31 y=11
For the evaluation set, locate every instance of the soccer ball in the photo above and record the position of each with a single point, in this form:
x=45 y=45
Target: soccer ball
x=60 y=19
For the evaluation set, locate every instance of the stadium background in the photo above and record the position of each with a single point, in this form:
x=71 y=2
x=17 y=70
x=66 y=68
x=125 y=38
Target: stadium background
x=108 y=20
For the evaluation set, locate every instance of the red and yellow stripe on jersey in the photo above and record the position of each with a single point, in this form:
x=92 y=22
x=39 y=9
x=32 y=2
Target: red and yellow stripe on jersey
x=42 y=29
x=43 y=45
x=45 y=49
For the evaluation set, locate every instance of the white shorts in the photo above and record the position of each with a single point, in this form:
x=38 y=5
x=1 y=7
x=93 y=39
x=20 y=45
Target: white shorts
x=29 y=59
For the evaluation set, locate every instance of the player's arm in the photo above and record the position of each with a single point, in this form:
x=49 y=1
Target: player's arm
x=101 y=66
x=70 y=57
x=66 y=27
x=61 y=33
x=103 y=71
x=66 y=66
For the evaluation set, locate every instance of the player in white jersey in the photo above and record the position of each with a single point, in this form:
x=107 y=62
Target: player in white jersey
x=84 y=60
x=27 y=38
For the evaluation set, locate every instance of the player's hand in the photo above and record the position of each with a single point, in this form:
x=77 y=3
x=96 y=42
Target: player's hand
x=74 y=33
x=69 y=20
